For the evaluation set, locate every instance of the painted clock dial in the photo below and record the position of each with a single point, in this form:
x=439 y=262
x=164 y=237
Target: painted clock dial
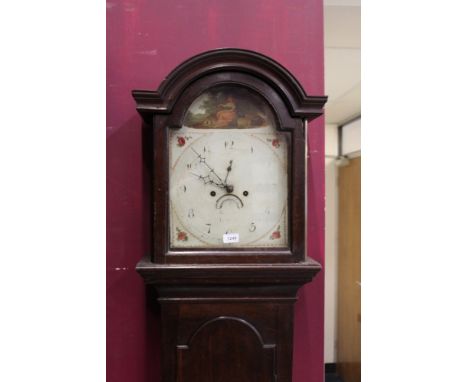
x=228 y=174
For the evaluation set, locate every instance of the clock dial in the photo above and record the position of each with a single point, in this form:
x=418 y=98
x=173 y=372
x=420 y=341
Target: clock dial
x=228 y=186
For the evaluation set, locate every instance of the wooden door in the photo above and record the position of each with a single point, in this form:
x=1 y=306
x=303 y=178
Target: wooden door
x=227 y=349
x=349 y=272
x=227 y=334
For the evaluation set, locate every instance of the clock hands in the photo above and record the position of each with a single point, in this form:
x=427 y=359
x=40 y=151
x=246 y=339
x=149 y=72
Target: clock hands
x=228 y=171
x=207 y=179
x=229 y=187
x=214 y=179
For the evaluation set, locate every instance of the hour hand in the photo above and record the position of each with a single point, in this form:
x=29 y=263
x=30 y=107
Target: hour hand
x=206 y=179
x=228 y=171
x=229 y=187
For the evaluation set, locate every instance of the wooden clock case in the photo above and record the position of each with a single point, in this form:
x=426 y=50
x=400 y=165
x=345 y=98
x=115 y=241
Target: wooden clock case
x=227 y=314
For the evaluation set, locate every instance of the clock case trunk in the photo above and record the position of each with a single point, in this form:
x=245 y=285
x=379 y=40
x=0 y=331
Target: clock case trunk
x=227 y=314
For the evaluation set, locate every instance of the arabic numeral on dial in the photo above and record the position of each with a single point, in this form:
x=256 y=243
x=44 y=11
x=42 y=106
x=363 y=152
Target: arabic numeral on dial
x=228 y=144
x=252 y=227
x=209 y=228
x=191 y=214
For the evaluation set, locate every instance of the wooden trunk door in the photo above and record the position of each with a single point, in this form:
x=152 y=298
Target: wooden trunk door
x=349 y=272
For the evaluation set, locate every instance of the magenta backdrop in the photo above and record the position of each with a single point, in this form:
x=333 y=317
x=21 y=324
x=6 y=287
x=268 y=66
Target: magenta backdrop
x=146 y=39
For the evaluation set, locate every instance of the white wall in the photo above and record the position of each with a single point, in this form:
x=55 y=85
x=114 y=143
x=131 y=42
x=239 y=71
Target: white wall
x=331 y=240
x=352 y=137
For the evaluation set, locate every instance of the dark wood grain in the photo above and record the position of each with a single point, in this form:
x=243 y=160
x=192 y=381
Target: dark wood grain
x=219 y=274
x=227 y=314
x=233 y=346
x=214 y=339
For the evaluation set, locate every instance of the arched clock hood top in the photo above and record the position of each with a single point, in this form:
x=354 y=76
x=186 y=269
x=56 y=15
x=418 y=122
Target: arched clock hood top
x=228 y=60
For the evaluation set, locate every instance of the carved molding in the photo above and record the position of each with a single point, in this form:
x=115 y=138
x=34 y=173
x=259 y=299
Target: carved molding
x=228 y=60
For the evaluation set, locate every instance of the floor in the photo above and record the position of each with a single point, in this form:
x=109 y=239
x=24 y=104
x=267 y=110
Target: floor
x=332 y=377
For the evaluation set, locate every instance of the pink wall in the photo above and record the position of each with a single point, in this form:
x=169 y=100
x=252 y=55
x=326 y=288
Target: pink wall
x=146 y=39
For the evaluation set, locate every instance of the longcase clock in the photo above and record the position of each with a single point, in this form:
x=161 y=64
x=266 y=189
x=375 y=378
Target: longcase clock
x=228 y=142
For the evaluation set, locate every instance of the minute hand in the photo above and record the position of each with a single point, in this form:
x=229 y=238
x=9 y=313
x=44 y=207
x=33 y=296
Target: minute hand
x=212 y=171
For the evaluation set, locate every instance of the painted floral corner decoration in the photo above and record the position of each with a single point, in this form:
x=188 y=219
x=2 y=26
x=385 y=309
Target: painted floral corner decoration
x=275 y=143
x=180 y=141
x=183 y=139
x=181 y=235
x=276 y=234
